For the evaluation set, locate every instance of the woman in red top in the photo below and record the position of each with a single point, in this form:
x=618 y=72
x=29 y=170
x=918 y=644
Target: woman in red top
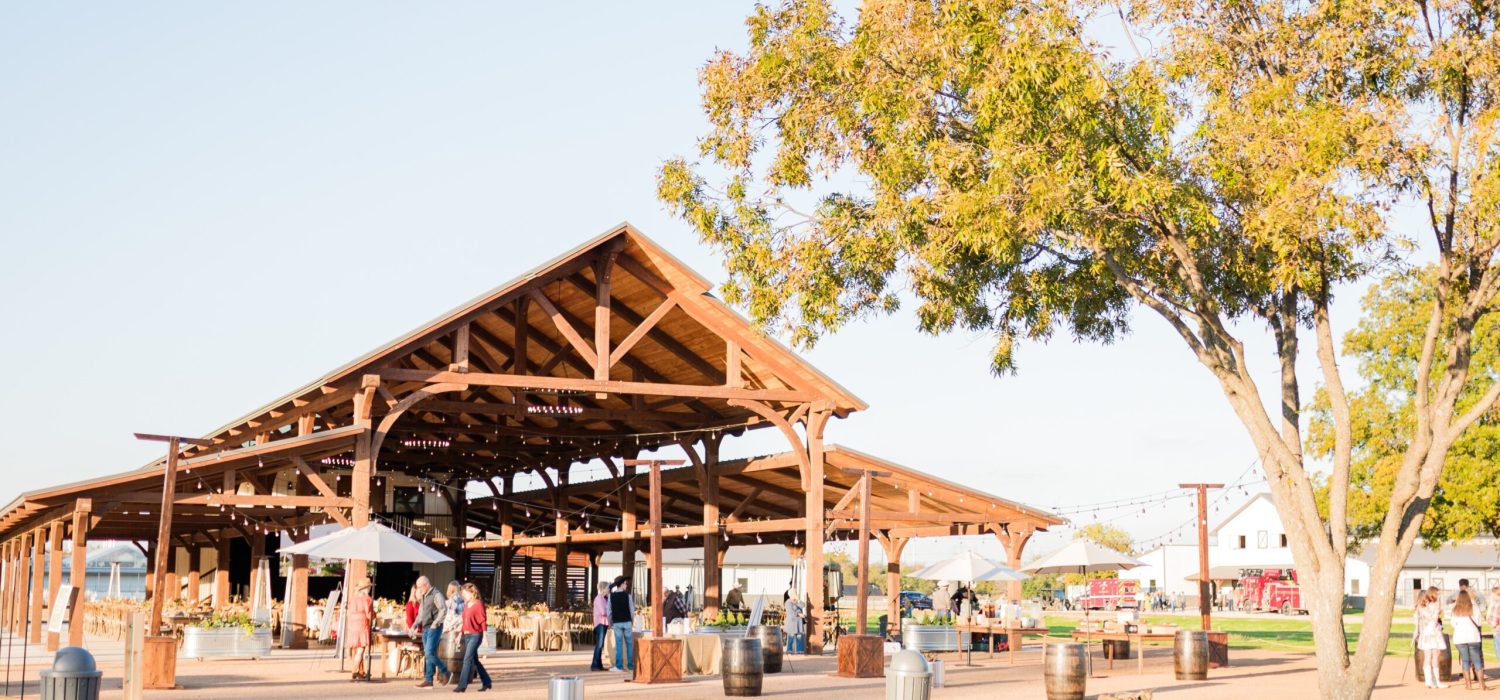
x=412 y=606
x=474 y=628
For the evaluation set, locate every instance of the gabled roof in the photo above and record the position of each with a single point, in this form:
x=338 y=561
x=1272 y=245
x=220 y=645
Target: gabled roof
x=1243 y=506
x=664 y=330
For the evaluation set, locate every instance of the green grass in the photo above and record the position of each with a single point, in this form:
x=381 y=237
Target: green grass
x=1272 y=631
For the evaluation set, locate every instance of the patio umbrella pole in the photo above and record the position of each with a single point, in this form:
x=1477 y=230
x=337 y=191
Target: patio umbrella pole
x=343 y=619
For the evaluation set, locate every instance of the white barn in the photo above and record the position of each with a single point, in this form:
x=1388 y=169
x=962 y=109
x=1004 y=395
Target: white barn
x=1251 y=537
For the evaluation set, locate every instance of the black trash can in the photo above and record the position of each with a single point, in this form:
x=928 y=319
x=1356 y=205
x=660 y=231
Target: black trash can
x=73 y=676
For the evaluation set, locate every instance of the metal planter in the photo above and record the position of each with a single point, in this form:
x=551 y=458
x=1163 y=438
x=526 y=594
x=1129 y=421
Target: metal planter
x=222 y=642
x=929 y=637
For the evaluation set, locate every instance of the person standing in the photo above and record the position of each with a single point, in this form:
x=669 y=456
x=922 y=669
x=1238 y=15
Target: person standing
x=622 y=620
x=734 y=599
x=1430 y=641
x=473 y=626
x=601 y=625
x=431 y=608
x=1467 y=637
x=357 y=628
x=794 y=627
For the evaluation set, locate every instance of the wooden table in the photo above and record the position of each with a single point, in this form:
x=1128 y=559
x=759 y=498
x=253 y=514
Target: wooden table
x=1139 y=638
x=1014 y=636
x=390 y=642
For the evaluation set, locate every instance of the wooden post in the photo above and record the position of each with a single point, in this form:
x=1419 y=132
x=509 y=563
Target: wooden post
x=221 y=570
x=816 y=524
x=81 y=510
x=39 y=558
x=507 y=531
x=660 y=657
x=712 y=574
x=627 y=523
x=1014 y=538
x=18 y=591
x=54 y=577
x=1205 y=605
x=7 y=560
x=893 y=548
x=364 y=466
x=862 y=613
x=195 y=573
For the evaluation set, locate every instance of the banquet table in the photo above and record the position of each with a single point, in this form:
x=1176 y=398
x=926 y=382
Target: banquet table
x=702 y=654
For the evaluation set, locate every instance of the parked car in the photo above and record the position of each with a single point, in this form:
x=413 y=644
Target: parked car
x=915 y=600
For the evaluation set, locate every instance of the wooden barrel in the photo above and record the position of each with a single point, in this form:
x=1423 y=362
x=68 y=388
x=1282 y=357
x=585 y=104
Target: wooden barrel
x=1444 y=664
x=1190 y=655
x=772 y=644
x=743 y=666
x=1117 y=649
x=1063 y=670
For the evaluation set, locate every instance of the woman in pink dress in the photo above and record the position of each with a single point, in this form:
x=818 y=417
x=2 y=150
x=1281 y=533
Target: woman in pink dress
x=357 y=629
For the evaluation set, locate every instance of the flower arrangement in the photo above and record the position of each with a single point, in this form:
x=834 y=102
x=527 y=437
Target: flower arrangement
x=227 y=620
x=726 y=619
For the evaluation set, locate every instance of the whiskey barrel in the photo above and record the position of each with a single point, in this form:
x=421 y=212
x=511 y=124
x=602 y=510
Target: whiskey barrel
x=1190 y=655
x=1116 y=649
x=1063 y=670
x=1444 y=663
x=772 y=644
x=743 y=666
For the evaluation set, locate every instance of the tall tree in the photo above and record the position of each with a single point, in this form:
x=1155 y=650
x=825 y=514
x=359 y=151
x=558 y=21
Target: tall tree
x=1021 y=178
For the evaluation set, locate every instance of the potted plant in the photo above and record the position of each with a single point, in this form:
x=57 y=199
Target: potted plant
x=226 y=634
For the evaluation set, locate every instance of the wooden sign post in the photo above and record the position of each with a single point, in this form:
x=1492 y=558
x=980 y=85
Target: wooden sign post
x=659 y=658
x=160 y=653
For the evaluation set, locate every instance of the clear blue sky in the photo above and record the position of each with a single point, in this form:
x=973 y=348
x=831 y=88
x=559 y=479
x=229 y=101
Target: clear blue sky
x=204 y=205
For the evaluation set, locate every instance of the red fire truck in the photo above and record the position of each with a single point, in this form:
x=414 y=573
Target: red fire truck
x=1110 y=594
x=1270 y=590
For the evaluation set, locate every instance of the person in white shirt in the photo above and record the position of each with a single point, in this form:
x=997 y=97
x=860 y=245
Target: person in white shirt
x=1466 y=636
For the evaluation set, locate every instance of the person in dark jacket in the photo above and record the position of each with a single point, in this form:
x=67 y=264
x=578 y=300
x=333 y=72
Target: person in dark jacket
x=432 y=607
x=622 y=621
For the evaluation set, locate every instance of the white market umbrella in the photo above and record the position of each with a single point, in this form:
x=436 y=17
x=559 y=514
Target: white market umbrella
x=970 y=567
x=373 y=542
x=1083 y=556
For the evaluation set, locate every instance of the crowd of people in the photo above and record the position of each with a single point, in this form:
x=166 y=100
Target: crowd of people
x=1469 y=615
x=457 y=619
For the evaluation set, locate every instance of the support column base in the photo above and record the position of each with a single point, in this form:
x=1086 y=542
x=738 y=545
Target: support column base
x=658 y=660
x=861 y=656
x=159 y=663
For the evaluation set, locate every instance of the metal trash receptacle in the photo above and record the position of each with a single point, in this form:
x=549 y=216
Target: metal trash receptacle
x=565 y=688
x=73 y=676
x=937 y=673
x=907 y=677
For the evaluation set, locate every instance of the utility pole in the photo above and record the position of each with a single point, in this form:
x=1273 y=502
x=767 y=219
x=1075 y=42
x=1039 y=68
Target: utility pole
x=1204 y=604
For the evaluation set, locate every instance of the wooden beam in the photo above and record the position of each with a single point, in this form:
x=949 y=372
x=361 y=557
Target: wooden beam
x=272 y=501
x=317 y=482
x=563 y=326
x=460 y=349
x=595 y=386
x=641 y=329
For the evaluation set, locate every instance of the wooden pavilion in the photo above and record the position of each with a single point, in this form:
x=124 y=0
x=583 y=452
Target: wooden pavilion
x=609 y=351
